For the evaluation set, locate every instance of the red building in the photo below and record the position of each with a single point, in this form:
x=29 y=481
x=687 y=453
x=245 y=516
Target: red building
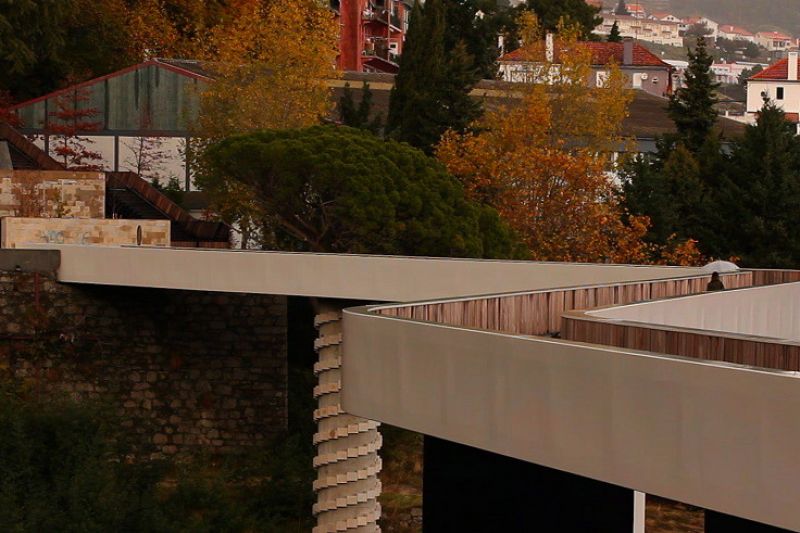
x=372 y=33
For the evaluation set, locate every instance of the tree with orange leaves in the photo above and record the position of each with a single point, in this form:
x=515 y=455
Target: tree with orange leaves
x=545 y=161
x=271 y=62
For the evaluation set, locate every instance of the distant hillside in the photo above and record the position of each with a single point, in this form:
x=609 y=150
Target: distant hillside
x=756 y=15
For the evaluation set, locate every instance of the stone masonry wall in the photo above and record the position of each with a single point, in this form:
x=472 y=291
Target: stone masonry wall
x=186 y=371
x=17 y=232
x=52 y=193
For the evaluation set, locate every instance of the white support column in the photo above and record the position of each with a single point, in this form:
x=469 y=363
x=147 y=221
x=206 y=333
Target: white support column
x=347 y=460
x=639 y=510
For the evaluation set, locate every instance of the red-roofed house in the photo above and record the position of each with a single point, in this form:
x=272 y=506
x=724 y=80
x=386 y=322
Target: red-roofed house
x=636 y=10
x=774 y=41
x=644 y=70
x=736 y=33
x=780 y=83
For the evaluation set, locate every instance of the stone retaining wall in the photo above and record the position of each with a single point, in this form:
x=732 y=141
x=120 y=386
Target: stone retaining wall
x=186 y=371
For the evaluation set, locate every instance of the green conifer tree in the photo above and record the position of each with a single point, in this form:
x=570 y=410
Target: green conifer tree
x=431 y=91
x=692 y=107
x=347 y=107
x=614 y=35
x=760 y=203
x=478 y=23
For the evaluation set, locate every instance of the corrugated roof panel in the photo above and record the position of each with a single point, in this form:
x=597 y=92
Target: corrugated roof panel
x=149 y=96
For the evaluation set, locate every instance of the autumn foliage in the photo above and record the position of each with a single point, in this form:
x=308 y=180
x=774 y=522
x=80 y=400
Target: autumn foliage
x=544 y=160
x=271 y=61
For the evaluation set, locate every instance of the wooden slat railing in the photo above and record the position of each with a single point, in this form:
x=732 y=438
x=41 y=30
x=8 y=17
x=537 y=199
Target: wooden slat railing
x=539 y=312
x=713 y=346
x=773 y=277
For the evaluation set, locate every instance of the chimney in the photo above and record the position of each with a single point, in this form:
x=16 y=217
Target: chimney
x=627 y=51
x=793 y=58
x=549 y=47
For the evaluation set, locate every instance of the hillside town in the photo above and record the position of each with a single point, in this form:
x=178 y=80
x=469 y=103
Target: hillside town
x=397 y=265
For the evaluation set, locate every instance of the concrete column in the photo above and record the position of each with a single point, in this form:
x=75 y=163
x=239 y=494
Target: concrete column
x=347 y=460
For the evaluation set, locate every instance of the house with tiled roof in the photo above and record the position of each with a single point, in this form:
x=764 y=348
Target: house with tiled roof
x=736 y=33
x=780 y=83
x=774 y=41
x=636 y=10
x=644 y=70
x=711 y=26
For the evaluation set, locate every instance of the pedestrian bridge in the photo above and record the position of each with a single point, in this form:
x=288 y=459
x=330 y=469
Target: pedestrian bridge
x=667 y=398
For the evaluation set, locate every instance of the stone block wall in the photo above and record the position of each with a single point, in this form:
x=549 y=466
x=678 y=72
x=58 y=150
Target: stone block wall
x=52 y=193
x=16 y=232
x=185 y=371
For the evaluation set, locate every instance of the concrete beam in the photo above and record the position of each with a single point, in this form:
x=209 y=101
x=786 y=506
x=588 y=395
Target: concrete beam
x=355 y=277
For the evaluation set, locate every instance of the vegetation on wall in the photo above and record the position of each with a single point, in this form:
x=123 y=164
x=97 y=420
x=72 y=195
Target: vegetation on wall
x=64 y=467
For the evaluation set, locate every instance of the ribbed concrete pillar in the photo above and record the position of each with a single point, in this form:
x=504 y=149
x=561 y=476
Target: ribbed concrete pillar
x=347 y=460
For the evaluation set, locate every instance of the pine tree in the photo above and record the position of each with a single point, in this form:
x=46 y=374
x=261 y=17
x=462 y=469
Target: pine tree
x=431 y=91
x=614 y=35
x=692 y=107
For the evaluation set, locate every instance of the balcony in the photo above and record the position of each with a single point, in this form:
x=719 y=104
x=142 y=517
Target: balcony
x=379 y=12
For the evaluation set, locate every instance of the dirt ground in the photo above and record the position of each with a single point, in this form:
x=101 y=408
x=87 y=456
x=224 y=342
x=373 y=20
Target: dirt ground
x=666 y=516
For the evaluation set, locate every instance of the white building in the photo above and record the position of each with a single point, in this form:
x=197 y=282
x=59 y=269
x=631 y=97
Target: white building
x=735 y=33
x=712 y=26
x=774 y=41
x=730 y=73
x=650 y=30
x=666 y=17
x=779 y=82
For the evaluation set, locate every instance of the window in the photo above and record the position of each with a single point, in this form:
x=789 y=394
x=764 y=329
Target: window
x=779 y=94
